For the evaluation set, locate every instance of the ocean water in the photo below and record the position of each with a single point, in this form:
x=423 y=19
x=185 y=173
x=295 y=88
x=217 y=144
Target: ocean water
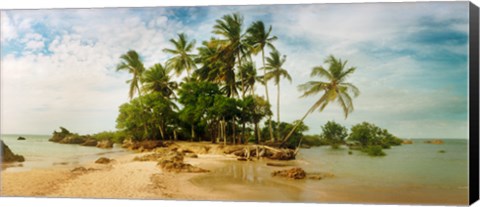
x=409 y=174
x=39 y=153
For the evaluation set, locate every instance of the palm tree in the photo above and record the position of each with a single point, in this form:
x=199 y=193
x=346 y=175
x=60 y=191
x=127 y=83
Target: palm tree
x=230 y=28
x=274 y=65
x=182 y=59
x=132 y=63
x=258 y=38
x=334 y=89
x=157 y=79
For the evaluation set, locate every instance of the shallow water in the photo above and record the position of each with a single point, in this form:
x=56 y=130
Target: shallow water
x=409 y=174
x=39 y=153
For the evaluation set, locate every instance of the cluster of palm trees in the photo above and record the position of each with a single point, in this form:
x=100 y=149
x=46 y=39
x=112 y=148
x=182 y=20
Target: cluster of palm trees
x=224 y=61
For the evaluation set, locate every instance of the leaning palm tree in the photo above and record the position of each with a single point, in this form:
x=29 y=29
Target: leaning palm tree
x=335 y=88
x=182 y=59
x=274 y=65
x=132 y=63
x=258 y=38
x=157 y=79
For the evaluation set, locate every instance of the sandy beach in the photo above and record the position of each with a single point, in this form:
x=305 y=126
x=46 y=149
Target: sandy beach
x=123 y=178
x=227 y=180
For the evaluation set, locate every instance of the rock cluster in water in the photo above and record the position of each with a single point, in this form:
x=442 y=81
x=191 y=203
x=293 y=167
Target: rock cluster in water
x=8 y=155
x=298 y=173
x=435 y=141
x=66 y=137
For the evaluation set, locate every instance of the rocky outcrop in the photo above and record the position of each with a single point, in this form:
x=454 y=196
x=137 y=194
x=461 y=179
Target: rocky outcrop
x=434 y=141
x=8 y=155
x=142 y=146
x=103 y=160
x=21 y=138
x=73 y=139
x=59 y=136
x=105 y=144
x=173 y=162
x=260 y=151
x=294 y=173
x=90 y=142
x=298 y=173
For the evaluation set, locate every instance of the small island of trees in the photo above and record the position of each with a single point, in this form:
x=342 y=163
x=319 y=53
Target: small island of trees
x=216 y=100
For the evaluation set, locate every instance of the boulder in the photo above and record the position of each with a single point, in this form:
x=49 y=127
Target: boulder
x=8 y=155
x=73 y=139
x=173 y=162
x=191 y=155
x=434 y=141
x=105 y=144
x=90 y=142
x=149 y=157
x=294 y=173
x=147 y=145
x=283 y=155
x=103 y=160
x=21 y=138
x=59 y=136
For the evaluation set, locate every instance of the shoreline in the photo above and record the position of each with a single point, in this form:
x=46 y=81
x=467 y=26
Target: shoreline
x=228 y=180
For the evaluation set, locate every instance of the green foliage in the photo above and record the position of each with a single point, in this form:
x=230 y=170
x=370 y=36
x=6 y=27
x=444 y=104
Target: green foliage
x=152 y=112
x=284 y=128
x=334 y=134
x=368 y=135
x=117 y=136
x=374 y=150
x=314 y=140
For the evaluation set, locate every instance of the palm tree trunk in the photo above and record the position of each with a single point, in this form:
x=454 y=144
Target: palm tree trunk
x=278 y=112
x=256 y=134
x=224 y=132
x=242 y=138
x=266 y=94
x=295 y=127
x=193 y=133
x=241 y=76
x=234 y=136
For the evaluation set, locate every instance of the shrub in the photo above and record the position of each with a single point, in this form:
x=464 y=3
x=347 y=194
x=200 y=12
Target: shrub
x=334 y=134
x=374 y=150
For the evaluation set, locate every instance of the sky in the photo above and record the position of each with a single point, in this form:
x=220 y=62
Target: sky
x=58 y=66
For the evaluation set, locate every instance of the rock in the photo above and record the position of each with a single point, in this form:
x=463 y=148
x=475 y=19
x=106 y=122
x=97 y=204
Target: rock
x=8 y=155
x=191 y=155
x=147 y=145
x=294 y=173
x=105 y=144
x=73 y=139
x=407 y=141
x=319 y=176
x=173 y=162
x=435 y=141
x=149 y=157
x=90 y=142
x=283 y=155
x=242 y=159
x=59 y=136
x=103 y=160
x=21 y=138
x=277 y=164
